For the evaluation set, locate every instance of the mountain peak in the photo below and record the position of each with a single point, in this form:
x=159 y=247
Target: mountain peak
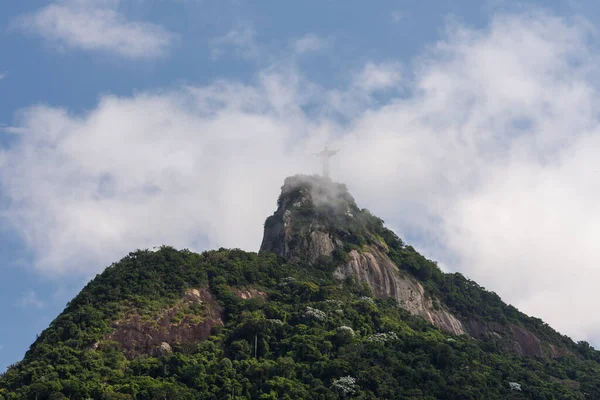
x=318 y=221
x=314 y=215
x=319 y=191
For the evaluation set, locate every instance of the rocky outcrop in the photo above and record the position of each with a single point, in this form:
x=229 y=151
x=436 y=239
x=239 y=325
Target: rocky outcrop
x=516 y=339
x=308 y=244
x=307 y=207
x=374 y=268
x=315 y=216
x=162 y=350
x=155 y=336
x=525 y=343
x=320 y=244
x=249 y=293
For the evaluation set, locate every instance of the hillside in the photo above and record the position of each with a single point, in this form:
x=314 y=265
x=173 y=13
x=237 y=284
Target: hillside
x=334 y=306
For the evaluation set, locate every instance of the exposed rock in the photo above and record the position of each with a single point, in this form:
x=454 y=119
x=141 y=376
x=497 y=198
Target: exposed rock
x=307 y=244
x=320 y=244
x=311 y=208
x=517 y=339
x=514 y=386
x=478 y=329
x=525 y=343
x=193 y=296
x=555 y=352
x=249 y=293
x=138 y=336
x=294 y=236
x=386 y=280
x=162 y=350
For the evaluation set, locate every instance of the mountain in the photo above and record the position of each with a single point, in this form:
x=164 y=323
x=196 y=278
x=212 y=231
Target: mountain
x=333 y=306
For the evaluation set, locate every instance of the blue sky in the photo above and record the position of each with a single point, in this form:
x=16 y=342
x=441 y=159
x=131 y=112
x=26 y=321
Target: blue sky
x=470 y=127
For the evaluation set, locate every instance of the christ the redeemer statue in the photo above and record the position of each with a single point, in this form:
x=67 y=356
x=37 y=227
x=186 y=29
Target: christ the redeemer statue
x=325 y=156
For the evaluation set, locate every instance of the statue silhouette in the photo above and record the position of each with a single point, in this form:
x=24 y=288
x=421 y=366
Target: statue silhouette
x=325 y=156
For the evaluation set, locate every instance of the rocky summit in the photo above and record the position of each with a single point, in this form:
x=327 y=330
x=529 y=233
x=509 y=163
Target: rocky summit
x=333 y=306
x=317 y=219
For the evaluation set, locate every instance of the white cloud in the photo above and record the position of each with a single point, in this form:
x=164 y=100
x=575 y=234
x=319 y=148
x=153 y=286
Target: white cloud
x=488 y=155
x=310 y=43
x=176 y=168
x=362 y=89
x=30 y=299
x=240 y=41
x=2 y=75
x=375 y=77
x=96 y=26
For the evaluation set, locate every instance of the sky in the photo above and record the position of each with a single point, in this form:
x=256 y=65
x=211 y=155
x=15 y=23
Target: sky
x=472 y=128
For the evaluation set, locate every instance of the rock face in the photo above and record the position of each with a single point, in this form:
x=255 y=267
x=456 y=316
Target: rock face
x=374 y=268
x=296 y=231
x=309 y=244
x=515 y=338
x=162 y=350
x=313 y=216
x=249 y=293
x=156 y=336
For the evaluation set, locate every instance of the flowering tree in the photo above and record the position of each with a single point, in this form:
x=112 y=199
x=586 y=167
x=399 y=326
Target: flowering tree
x=346 y=386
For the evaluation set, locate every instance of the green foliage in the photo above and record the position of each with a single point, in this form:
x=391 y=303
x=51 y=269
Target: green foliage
x=300 y=342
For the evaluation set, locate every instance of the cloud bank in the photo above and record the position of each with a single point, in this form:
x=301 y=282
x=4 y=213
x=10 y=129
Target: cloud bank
x=484 y=148
x=96 y=26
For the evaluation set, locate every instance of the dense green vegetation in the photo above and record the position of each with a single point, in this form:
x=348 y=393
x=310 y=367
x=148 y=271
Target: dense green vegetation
x=310 y=338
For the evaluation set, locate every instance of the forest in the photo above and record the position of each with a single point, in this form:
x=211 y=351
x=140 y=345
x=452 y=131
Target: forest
x=308 y=336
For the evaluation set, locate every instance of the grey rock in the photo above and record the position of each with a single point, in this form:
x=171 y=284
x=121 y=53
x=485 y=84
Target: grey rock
x=162 y=350
x=386 y=280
